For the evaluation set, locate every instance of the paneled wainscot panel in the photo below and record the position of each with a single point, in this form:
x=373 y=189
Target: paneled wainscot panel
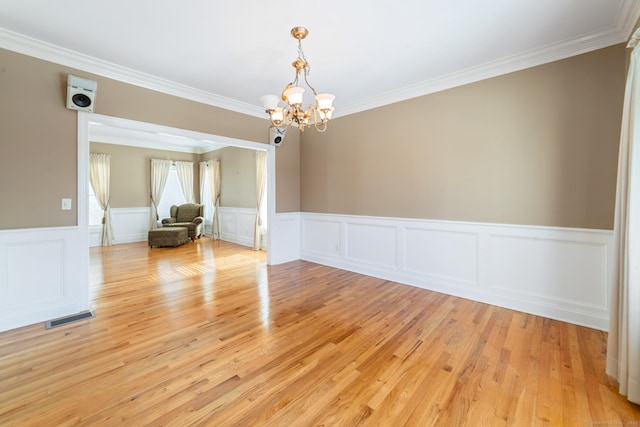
x=549 y=268
x=130 y=224
x=237 y=225
x=445 y=255
x=44 y=283
x=285 y=237
x=44 y=274
x=371 y=243
x=322 y=236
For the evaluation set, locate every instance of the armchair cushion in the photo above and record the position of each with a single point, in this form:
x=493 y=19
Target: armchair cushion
x=188 y=211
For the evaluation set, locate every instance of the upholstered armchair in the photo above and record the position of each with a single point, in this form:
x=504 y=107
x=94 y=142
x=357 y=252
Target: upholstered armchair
x=189 y=215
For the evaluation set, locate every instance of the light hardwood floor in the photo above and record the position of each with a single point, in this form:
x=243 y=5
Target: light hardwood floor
x=207 y=334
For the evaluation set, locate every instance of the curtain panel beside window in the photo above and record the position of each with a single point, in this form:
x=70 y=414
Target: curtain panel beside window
x=99 y=178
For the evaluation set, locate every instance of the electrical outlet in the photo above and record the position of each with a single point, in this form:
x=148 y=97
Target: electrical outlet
x=66 y=204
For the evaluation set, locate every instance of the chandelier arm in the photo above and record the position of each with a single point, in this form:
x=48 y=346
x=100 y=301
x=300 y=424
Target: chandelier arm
x=321 y=128
x=290 y=85
x=276 y=124
x=289 y=117
x=273 y=123
x=315 y=115
x=309 y=84
x=317 y=122
x=295 y=81
x=324 y=121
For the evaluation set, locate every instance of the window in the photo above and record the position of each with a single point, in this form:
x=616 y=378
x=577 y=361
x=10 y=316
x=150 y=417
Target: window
x=95 y=211
x=172 y=195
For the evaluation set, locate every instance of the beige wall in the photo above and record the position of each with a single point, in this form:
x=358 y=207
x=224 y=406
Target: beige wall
x=38 y=165
x=237 y=176
x=131 y=171
x=287 y=175
x=130 y=183
x=536 y=147
x=38 y=135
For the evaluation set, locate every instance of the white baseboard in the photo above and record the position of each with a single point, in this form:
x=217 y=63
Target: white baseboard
x=559 y=273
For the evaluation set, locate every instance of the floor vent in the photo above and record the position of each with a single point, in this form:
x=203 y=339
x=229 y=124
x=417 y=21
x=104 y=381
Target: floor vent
x=68 y=319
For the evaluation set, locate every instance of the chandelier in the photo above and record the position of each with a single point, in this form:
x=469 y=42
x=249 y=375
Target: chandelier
x=317 y=115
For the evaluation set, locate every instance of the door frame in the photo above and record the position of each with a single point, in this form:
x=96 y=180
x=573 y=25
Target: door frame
x=89 y=121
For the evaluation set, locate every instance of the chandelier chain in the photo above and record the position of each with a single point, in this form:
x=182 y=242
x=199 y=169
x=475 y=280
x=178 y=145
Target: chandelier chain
x=307 y=67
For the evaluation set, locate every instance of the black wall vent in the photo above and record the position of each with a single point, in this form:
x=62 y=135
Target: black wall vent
x=68 y=319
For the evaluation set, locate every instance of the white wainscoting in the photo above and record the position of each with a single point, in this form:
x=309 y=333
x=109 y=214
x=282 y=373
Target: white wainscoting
x=285 y=238
x=560 y=273
x=44 y=275
x=237 y=225
x=132 y=225
x=128 y=224
x=95 y=235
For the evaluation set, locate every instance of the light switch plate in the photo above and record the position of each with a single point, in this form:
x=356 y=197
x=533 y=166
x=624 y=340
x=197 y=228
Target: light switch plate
x=66 y=204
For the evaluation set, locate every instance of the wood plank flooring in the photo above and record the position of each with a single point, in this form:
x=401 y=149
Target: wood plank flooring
x=207 y=334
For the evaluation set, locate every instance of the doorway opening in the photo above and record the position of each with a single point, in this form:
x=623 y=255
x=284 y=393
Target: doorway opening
x=121 y=130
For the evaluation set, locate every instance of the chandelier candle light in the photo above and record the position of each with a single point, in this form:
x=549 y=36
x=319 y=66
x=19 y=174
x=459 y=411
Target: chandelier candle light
x=318 y=115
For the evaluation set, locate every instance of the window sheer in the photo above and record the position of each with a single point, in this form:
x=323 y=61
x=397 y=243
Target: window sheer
x=172 y=195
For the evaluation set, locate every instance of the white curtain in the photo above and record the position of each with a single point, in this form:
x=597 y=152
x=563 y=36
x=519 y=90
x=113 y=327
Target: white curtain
x=214 y=182
x=623 y=347
x=204 y=183
x=159 y=173
x=99 y=177
x=206 y=196
x=185 y=176
x=261 y=179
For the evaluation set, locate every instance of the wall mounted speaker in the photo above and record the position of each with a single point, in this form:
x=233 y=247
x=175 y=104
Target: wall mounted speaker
x=81 y=94
x=276 y=136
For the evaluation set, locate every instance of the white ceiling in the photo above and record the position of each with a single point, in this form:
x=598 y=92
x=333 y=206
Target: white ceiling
x=367 y=52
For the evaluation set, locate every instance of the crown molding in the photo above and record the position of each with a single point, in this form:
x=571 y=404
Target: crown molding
x=620 y=32
x=474 y=74
x=46 y=51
